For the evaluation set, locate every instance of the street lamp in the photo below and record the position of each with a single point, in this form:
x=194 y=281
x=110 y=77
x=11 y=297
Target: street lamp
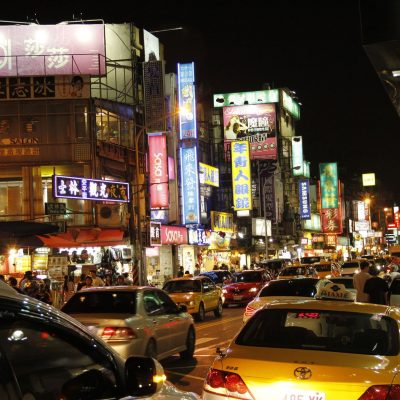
x=297 y=167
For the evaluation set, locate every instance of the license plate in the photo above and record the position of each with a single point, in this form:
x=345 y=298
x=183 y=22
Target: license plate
x=237 y=297
x=303 y=395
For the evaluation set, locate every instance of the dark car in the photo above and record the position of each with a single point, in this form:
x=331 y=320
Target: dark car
x=45 y=354
x=219 y=277
x=245 y=286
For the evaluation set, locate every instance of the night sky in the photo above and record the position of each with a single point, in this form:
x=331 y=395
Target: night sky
x=313 y=48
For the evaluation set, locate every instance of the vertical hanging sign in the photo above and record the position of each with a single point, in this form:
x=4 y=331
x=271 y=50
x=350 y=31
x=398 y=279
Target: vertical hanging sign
x=241 y=175
x=304 y=197
x=158 y=165
x=190 y=185
x=187 y=103
x=329 y=185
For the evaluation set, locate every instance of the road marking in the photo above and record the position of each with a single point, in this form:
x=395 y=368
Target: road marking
x=204 y=340
x=208 y=325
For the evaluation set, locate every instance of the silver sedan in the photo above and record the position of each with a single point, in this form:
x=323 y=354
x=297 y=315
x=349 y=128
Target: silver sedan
x=135 y=320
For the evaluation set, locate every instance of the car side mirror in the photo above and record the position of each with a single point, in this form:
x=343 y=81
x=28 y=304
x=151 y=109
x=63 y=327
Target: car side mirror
x=182 y=308
x=144 y=376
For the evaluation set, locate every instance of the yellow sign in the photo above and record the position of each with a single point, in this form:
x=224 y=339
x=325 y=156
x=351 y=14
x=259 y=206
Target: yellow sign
x=241 y=175
x=208 y=175
x=221 y=222
x=40 y=261
x=22 y=264
x=368 y=179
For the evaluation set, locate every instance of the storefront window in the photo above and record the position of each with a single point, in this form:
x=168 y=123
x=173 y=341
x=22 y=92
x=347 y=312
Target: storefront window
x=11 y=199
x=81 y=121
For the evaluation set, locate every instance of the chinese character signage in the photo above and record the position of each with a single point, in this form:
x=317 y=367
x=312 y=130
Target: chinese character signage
x=330 y=240
x=304 y=197
x=241 y=176
x=290 y=105
x=209 y=175
x=70 y=187
x=158 y=165
x=221 y=222
x=269 y=198
x=329 y=185
x=187 y=101
x=173 y=234
x=55 y=208
x=155 y=233
x=331 y=221
x=32 y=50
x=254 y=123
x=190 y=185
x=199 y=237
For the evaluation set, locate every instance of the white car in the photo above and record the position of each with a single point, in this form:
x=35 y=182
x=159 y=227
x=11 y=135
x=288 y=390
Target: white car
x=45 y=354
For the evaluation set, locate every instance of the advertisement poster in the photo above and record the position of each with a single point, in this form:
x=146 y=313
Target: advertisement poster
x=304 y=199
x=255 y=124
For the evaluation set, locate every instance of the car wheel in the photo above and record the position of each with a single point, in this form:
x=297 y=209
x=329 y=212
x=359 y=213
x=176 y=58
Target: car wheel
x=151 y=349
x=201 y=315
x=190 y=345
x=218 y=310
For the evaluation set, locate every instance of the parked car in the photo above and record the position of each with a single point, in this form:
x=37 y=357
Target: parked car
x=219 y=277
x=282 y=290
x=326 y=269
x=135 y=320
x=311 y=349
x=45 y=354
x=349 y=268
x=199 y=294
x=245 y=286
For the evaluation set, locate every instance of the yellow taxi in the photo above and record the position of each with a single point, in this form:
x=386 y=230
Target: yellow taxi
x=199 y=294
x=311 y=349
x=326 y=269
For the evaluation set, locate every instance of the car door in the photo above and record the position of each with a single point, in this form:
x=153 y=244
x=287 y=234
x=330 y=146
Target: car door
x=210 y=294
x=157 y=320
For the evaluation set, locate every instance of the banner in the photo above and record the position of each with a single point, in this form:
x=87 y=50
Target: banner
x=329 y=185
x=158 y=166
x=241 y=176
x=187 y=101
x=304 y=198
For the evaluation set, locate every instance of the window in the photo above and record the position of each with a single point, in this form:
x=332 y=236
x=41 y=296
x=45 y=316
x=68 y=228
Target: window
x=157 y=302
x=183 y=286
x=48 y=361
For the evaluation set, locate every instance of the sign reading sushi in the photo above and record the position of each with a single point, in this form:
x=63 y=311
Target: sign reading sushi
x=190 y=185
x=241 y=176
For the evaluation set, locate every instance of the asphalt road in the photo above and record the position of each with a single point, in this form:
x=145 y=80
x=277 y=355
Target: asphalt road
x=210 y=334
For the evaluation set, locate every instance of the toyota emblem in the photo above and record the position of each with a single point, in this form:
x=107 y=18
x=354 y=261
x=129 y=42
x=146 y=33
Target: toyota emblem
x=302 y=373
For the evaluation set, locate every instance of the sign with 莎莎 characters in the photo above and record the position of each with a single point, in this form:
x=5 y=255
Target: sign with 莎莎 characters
x=187 y=101
x=304 y=197
x=241 y=176
x=62 y=49
x=71 y=187
x=190 y=185
x=173 y=234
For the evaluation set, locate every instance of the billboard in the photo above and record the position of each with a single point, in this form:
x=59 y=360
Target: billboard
x=329 y=185
x=368 y=179
x=32 y=50
x=209 y=175
x=241 y=176
x=158 y=166
x=187 y=101
x=190 y=185
x=72 y=187
x=241 y=98
x=151 y=46
x=255 y=124
x=297 y=155
x=304 y=199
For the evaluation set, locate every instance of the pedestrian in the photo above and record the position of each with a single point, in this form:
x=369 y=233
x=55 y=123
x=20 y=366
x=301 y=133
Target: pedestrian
x=81 y=283
x=68 y=289
x=196 y=269
x=359 y=280
x=97 y=281
x=180 y=272
x=376 y=287
x=120 y=280
x=187 y=274
x=14 y=284
x=128 y=281
x=108 y=280
x=88 y=283
x=45 y=293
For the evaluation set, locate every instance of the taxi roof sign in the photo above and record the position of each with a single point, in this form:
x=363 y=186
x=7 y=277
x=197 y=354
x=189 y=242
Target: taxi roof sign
x=333 y=291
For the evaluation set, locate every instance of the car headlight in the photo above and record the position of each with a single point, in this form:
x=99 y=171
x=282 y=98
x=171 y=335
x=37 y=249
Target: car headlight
x=253 y=290
x=190 y=303
x=224 y=291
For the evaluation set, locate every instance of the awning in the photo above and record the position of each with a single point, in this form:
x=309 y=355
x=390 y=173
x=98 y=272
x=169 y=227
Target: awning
x=86 y=237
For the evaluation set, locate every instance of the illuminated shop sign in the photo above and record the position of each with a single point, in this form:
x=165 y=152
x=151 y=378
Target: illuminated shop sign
x=190 y=185
x=297 y=155
x=173 y=234
x=368 y=179
x=158 y=165
x=221 y=221
x=304 y=197
x=329 y=185
x=187 y=101
x=155 y=233
x=241 y=176
x=200 y=237
x=290 y=105
x=209 y=175
x=71 y=187
x=62 y=49
x=238 y=99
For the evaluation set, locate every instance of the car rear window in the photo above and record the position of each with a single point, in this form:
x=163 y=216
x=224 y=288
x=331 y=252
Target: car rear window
x=310 y=260
x=350 y=265
x=105 y=302
x=183 y=286
x=348 y=283
x=248 y=277
x=290 y=271
x=324 y=330
x=290 y=287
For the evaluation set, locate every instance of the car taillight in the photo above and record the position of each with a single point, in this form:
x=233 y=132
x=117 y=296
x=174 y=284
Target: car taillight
x=226 y=384
x=118 y=333
x=382 y=392
x=249 y=311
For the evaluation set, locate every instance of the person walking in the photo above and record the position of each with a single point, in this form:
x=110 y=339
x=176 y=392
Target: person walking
x=97 y=281
x=359 y=282
x=180 y=272
x=376 y=287
x=68 y=289
x=14 y=284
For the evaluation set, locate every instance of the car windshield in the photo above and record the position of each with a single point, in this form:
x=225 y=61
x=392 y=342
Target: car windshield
x=183 y=286
x=217 y=277
x=325 y=330
x=310 y=260
x=102 y=302
x=290 y=287
x=248 y=277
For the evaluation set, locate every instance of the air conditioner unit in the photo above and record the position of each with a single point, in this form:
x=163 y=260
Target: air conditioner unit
x=109 y=215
